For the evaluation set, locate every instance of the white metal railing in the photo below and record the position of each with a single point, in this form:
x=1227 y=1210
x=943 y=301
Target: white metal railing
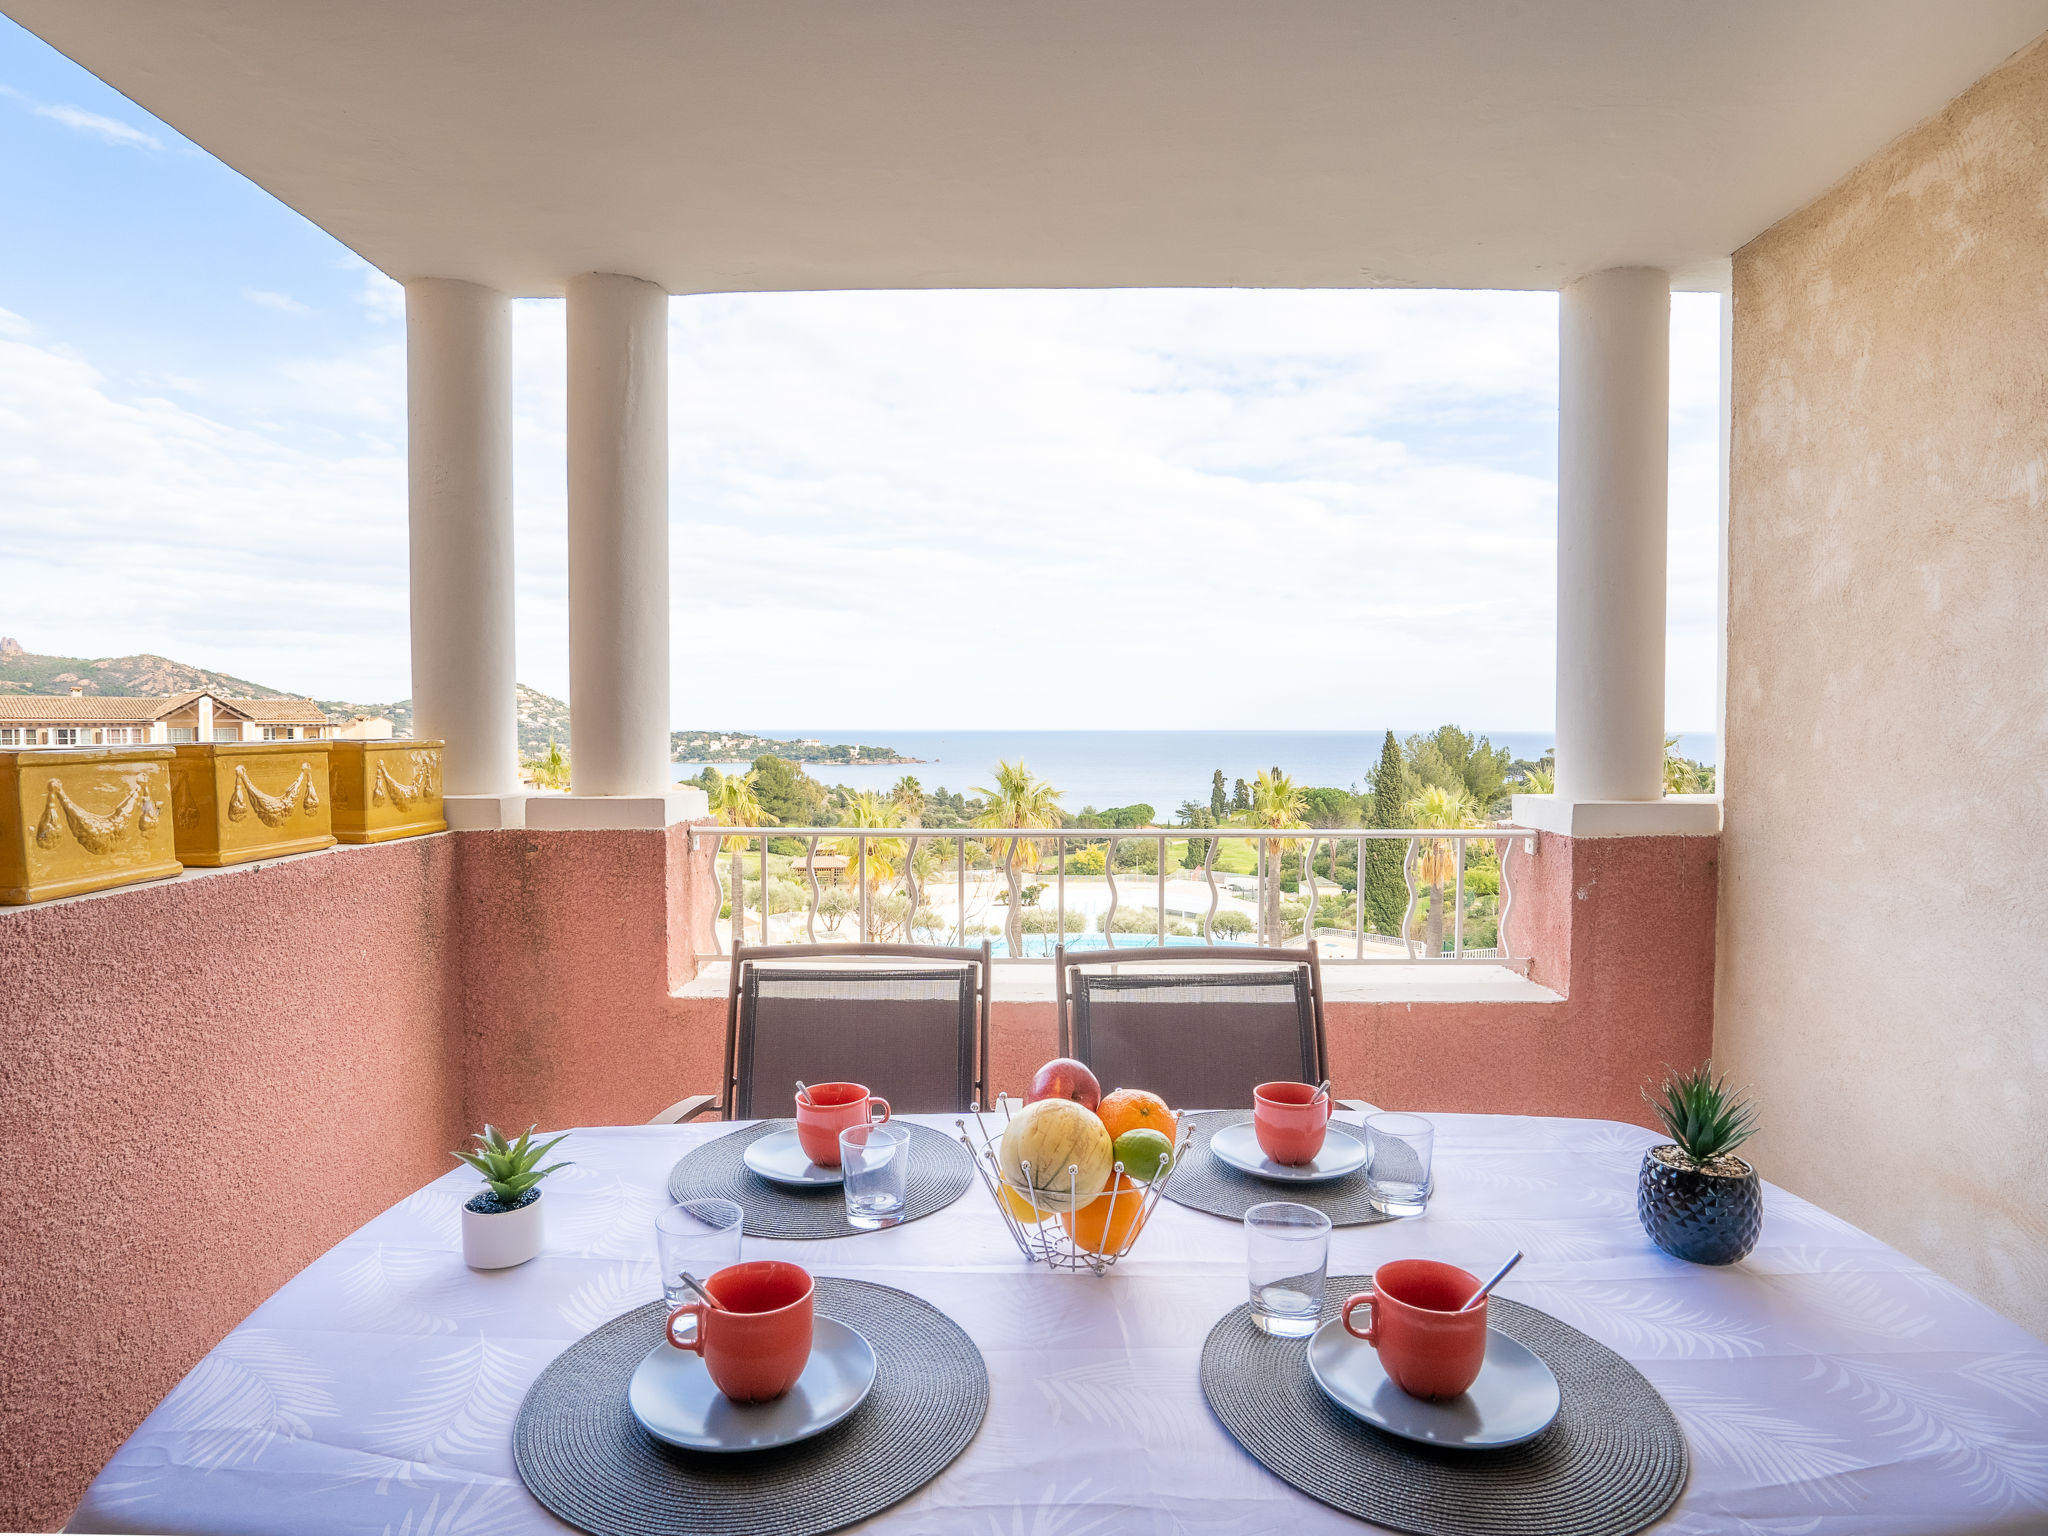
x=900 y=882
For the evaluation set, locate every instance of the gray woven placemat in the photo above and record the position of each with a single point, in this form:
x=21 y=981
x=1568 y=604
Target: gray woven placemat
x=1613 y=1461
x=1204 y=1182
x=582 y=1453
x=940 y=1171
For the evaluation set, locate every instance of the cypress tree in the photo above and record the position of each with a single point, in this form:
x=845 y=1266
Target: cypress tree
x=1380 y=885
x=1219 y=799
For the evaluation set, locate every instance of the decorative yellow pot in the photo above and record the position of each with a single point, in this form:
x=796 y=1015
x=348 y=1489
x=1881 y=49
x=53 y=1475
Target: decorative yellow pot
x=386 y=789
x=236 y=801
x=72 y=822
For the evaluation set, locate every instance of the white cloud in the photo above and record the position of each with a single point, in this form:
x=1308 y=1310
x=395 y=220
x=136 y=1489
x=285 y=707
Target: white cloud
x=12 y=324
x=1293 y=510
x=106 y=128
x=269 y=300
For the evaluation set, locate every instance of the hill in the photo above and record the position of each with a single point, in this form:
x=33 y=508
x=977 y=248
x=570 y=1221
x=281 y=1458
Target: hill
x=117 y=677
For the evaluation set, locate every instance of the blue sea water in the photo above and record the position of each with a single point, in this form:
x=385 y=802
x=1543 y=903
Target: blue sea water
x=1158 y=768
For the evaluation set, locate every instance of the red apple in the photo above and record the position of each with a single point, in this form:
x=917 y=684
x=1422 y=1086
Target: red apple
x=1065 y=1078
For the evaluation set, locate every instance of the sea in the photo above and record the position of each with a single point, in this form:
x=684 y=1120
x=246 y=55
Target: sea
x=1156 y=768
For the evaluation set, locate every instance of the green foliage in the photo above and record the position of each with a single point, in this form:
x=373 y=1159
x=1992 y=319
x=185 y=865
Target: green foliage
x=1240 y=798
x=1137 y=856
x=1452 y=759
x=786 y=793
x=1325 y=807
x=1230 y=925
x=551 y=769
x=1385 y=892
x=1116 y=816
x=509 y=1167
x=835 y=904
x=1682 y=775
x=1088 y=861
x=1700 y=1112
x=1047 y=920
x=1130 y=920
x=1219 y=799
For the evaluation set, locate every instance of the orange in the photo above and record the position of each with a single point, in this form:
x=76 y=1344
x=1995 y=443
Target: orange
x=1133 y=1109
x=1109 y=1222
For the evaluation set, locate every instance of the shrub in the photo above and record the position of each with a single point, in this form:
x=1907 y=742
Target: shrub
x=1130 y=920
x=1231 y=925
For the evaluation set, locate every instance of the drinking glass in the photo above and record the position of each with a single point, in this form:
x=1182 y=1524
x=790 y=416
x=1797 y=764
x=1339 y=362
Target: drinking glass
x=1288 y=1249
x=1397 y=1177
x=875 y=1160
x=702 y=1236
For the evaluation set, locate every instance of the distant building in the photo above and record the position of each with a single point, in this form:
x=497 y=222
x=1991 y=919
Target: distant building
x=45 y=720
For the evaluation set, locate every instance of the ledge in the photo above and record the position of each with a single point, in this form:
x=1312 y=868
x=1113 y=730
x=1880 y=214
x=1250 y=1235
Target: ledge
x=1673 y=816
x=484 y=813
x=1033 y=983
x=606 y=813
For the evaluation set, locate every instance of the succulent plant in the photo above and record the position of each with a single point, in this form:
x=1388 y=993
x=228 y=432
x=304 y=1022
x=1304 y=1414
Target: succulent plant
x=509 y=1167
x=1701 y=1113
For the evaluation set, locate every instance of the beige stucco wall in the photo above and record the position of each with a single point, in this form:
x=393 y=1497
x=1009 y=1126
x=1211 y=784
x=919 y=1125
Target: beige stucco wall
x=1883 y=977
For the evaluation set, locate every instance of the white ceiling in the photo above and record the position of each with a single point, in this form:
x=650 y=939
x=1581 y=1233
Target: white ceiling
x=715 y=145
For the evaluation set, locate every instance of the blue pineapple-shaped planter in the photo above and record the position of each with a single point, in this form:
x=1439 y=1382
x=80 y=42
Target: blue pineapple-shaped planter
x=1697 y=1200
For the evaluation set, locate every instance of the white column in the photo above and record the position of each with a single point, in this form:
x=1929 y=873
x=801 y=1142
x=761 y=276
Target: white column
x=458 y=374
x=204 y=730
x=1614 y=416
x=618 y=536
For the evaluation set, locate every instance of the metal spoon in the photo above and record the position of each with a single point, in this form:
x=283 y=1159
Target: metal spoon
x=802 y=1092
x=712 y=1301
x=1322 y=1092
x=1477 y=1296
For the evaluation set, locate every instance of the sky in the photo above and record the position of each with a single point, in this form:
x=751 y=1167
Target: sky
x=966 y=510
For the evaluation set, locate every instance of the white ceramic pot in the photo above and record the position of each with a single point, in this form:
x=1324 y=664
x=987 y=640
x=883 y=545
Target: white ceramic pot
x=500 y=1239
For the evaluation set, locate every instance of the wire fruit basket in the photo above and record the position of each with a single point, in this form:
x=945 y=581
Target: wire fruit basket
x=1046 y=1238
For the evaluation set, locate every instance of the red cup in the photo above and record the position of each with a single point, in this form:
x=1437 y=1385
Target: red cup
x=1290 y=1120
x=757 y=1340
x=826 y=1110
x=1429 y=1348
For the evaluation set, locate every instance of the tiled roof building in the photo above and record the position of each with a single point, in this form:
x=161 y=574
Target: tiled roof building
x=77 y=720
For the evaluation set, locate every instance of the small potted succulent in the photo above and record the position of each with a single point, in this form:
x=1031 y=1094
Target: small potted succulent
x=1697 y=1199
x=502 y=1226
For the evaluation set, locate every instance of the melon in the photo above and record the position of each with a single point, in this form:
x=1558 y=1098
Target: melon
x=1053 y=1136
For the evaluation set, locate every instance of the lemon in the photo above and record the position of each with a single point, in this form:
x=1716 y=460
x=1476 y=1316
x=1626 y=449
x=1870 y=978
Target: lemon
x=1143 y=1153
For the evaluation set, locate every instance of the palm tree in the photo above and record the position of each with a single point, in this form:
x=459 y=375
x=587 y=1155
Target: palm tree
x=733 y=803
x=1020 y=799
x=1438 y=808
x=551 y=769
x=884 y=854
x=909 y=798
x=1276 y=802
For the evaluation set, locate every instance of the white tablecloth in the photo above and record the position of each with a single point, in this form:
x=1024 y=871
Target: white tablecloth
x=1827 y=1384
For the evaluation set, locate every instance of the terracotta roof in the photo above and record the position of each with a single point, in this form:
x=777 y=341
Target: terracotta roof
x=90 y=709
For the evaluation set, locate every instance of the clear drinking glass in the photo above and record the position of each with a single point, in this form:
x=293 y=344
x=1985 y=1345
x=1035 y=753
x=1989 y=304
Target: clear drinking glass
x=1397 y=1178
x=1288 y=1249
x=702 y=1236
x=875 y=1160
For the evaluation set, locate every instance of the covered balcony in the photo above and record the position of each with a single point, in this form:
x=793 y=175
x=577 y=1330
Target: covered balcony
x=211 y=1081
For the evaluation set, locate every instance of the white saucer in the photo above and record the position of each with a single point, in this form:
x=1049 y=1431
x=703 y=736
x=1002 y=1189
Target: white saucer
x=672 y=1396
x=1342 y=1153
x=780 y=1159
x=1514 y=1399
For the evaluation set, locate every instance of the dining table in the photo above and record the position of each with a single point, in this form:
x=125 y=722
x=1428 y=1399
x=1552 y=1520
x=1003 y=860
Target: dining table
x=1827 y=1383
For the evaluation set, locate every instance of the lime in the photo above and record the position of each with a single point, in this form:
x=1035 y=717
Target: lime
x=1142 y=1153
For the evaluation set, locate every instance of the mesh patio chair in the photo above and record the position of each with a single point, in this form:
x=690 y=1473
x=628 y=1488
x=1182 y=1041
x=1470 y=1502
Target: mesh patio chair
x=908 y=1020
x=1200 y=1026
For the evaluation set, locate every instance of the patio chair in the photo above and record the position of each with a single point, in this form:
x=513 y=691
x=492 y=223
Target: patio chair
x=909 y=1020
x=1200 y=1026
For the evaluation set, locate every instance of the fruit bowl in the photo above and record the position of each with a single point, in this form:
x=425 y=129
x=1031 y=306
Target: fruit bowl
x=1044 y=1222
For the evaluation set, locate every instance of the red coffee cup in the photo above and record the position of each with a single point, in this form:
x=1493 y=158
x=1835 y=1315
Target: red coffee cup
x=757 y=1340
x=826 y=1110
x=1429 y=1348
x=1290 y=1120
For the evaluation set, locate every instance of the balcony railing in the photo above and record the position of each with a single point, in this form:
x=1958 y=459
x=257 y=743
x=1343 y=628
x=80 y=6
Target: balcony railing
x=1030 y=889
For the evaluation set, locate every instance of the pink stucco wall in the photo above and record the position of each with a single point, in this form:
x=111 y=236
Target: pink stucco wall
x=205 y=1084
x=172 y=1049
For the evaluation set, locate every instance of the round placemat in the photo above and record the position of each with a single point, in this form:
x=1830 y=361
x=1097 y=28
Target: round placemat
x=581 y=1452
x=1204 y=1182
x=1613 y=1460
x=940 y=1171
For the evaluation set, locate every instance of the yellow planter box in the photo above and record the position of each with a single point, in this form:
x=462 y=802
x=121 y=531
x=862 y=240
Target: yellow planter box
x=386 y=789
x=72 y=822
x=236 y=801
